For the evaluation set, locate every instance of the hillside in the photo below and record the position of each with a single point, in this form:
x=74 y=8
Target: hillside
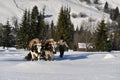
x=11 y=9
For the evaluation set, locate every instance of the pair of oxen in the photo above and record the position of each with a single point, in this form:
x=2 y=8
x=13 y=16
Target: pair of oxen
x=43 y=49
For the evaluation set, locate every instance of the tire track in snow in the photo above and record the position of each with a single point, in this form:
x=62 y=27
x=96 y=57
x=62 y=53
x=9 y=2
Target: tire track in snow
x=17 y=5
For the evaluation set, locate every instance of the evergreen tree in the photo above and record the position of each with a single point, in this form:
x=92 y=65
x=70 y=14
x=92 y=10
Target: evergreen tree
x=106 y=8
x=29 y=27
x=116 y=13
x=6 y=35
x=106 y=5
x=23 y=35
x=101 y=37
x=116 y=38
x=96 y=1
x=32 y=26
x=47 y=31
x=65 y=27
x=37 y=23
x=116 y=41
x=1 y=34
x=52 y=30
x=34 y=21
x=60 y=24
x=41 y=26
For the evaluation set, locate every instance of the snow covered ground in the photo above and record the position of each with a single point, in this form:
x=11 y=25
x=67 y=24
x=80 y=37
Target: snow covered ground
x=74 y=66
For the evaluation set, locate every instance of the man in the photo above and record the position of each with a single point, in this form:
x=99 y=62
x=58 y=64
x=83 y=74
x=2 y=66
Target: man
x=62 y=45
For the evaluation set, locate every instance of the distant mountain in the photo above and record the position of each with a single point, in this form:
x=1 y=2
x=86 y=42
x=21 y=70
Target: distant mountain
x=80 y=9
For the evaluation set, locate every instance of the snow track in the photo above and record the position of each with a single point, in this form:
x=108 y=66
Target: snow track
x=17 y=5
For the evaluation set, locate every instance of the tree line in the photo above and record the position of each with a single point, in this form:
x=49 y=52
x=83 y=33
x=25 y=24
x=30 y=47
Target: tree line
x=33 y=25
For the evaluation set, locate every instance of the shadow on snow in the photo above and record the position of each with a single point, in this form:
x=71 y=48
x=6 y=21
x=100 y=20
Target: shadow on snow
x=74 y=57
x=13 y=60
x=65 y=57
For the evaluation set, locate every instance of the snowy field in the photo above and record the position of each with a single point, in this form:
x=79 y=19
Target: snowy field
x=74 y=66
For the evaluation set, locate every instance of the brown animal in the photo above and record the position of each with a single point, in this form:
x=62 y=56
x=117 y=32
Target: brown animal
x=49 y=55
x=35 y=51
